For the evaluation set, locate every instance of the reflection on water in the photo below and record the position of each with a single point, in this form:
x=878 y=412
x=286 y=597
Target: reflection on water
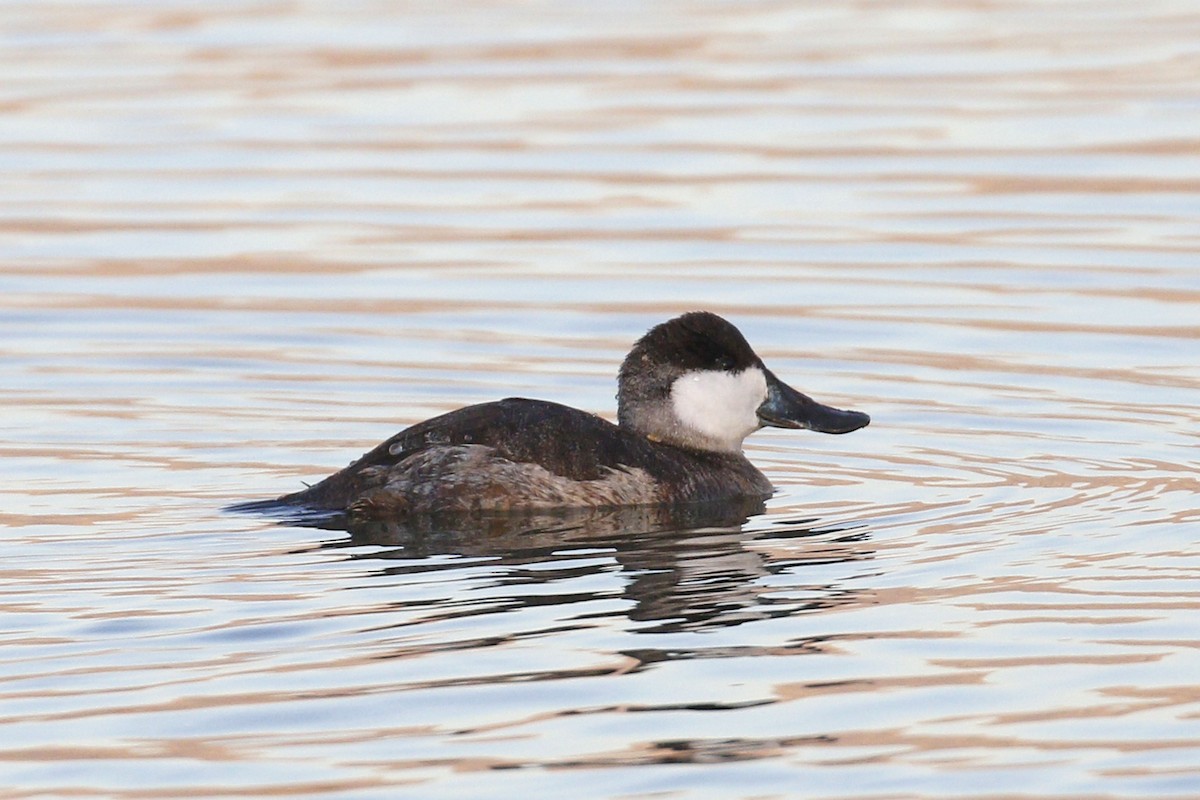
x=686 y=568
x=240 y=242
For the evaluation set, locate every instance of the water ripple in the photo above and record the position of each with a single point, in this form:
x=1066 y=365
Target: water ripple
x=241 y=244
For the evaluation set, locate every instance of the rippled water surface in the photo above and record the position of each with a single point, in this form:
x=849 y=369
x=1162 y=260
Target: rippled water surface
x=242 y=242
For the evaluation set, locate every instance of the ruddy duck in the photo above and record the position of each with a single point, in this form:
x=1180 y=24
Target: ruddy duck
x=689 y=393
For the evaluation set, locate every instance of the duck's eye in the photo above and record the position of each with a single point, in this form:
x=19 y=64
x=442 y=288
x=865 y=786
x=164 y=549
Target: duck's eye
x=726 y=363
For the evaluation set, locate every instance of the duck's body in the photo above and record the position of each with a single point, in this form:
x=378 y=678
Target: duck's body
x=690 y=391
x=518 y=453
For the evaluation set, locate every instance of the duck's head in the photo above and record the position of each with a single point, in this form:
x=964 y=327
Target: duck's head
x=695 y=382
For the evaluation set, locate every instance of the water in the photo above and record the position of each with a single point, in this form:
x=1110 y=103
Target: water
x=243 y=243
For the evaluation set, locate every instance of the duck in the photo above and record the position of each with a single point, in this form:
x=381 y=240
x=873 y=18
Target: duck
x=689 y=393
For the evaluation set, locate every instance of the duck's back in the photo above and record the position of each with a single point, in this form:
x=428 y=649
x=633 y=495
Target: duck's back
x=519 y=453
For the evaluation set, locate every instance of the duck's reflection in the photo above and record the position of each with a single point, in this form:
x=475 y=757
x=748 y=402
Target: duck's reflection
x=687 y=568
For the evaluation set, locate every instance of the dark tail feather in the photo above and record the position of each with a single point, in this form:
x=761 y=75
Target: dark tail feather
x=288 y=513
x=272 y=506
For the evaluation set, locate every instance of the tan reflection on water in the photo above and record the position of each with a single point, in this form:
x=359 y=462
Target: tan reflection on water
x=241 y=244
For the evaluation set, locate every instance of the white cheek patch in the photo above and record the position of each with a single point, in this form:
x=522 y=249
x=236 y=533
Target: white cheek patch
x=721 y=406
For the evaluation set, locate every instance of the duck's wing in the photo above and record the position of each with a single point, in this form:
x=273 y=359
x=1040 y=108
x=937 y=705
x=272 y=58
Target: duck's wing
x=565 y=441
